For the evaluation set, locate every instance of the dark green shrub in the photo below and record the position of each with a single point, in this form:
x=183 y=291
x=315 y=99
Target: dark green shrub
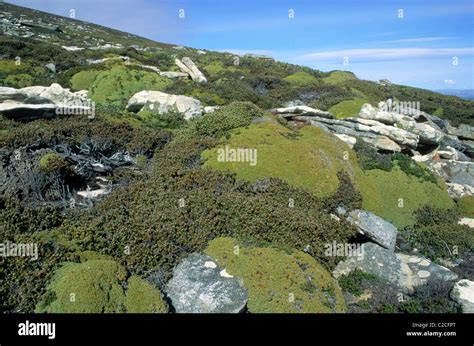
x=346 y=195
x=411 y=306
x=437 y=234
x=219 y=122
x=428 y=216
x=411 y=167
x=369 y=158
x=352 y=283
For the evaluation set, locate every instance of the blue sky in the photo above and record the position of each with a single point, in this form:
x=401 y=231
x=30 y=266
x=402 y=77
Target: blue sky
x=423 y=43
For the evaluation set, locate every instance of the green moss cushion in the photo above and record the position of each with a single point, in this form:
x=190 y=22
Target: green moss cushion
x=279 y=282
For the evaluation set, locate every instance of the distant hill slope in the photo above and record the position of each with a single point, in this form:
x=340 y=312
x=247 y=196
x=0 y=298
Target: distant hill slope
x=467 y=94
x=77 y=54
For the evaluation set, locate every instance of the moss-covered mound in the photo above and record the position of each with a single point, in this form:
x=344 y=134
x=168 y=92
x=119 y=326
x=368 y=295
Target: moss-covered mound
x=97 y=286
x=116 y=85
x=395 y=196
x=52 y=162
x=92 y=286
x=143 y=297
x=347 y=108
x=301 y=78
x=466 y=206
x=83 y=79
x=309 y=158
x=279 y=282
x=338 y=77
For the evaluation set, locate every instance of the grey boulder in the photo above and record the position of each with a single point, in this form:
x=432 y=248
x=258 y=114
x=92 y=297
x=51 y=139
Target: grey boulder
x=403 y=271
x=198 y=285
x=463 y=293
x=374 y=227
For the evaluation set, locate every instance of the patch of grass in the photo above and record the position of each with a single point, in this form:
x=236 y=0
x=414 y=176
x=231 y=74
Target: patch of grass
x=347 y=108
x=84 y=79
x=466 y=206
x=279 y=282
x=338 y=77
x=301 y=78
x=215 y=67
x=20 y=80
x=395 y=195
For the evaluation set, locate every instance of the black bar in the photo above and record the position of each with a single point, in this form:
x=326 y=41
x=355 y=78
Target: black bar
x=136 y=329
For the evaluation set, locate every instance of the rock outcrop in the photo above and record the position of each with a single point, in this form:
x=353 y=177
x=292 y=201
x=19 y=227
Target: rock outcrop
x=199 y=285
x=173 y=74
x=186 y=65
x=389 y=130
x=463 y=293
x=161 y=103
x=295 y=110
x=403 y=271
x=40 y=101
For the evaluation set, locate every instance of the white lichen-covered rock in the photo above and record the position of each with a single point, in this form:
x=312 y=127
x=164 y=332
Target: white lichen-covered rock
x=427 y=131
x=467 y=222
x=456 y=191
x=210 y=109
x=350 y=141
x=463 y=293
x=162 y=103
x=463 y=131
x=186 y=65
x=288 y=112
x=403 y=271
x=199 y=285
x=173 y=74
x=382 y=143
x=41 y=101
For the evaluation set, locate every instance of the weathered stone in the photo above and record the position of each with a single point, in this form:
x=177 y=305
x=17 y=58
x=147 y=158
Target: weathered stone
x=467 y=221
x=403 y=271
x=40 y=101
x=463 y=293
x=374 y=227
x=428 y=131
x=464 y=131
x=173 y=74
x=350 y=141
x=302 y=110
x=161 y=103
x=210 y=109
x=456 y=191
x=186 y=65
x=199 y=285
x=51 y=67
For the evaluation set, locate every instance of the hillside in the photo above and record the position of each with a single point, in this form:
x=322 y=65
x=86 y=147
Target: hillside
x=149 y=164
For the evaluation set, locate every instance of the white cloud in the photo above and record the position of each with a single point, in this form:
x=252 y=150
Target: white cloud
x=420 y=39
x=246 y=51
x=379 y=54
x=449 y=81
